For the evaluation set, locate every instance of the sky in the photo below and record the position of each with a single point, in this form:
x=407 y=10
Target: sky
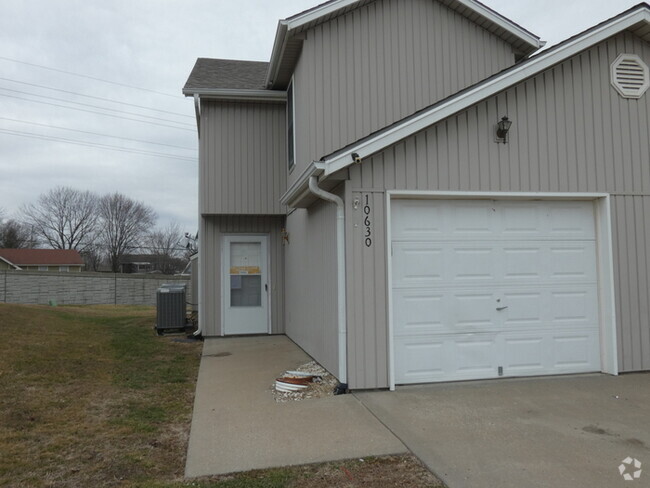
x=90 y=91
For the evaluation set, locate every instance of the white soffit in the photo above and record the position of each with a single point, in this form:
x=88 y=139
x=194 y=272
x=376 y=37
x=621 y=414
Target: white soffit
x=532 y=67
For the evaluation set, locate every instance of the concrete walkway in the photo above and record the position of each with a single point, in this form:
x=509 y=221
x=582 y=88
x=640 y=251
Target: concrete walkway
x=238 y=426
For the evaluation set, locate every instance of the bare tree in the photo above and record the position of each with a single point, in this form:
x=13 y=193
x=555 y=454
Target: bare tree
x=63 y=218
x=165 y=245
x=123 y=225
x=14 y=235
x=92 y=256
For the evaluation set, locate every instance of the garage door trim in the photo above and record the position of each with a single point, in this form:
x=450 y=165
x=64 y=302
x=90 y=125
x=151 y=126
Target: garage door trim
x=605 y=263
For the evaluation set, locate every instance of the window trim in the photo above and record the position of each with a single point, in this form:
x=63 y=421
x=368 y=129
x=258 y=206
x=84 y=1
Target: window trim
x=291 y=126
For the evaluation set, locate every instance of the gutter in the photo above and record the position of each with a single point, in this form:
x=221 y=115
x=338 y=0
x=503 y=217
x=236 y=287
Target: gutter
x=237 y=94
x=340 y=275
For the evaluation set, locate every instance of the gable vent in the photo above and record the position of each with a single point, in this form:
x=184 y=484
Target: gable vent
x=630 y=76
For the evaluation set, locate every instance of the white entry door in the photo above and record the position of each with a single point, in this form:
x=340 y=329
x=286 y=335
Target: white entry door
x=483 y=289
x=245 y=285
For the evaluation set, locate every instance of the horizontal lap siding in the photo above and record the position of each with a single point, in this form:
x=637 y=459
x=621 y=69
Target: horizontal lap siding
x=382 y=62
x=212 y=229
x=242 y=158
x=571 y=132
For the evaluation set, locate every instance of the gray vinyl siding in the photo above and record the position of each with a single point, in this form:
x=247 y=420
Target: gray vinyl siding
x=571 y=132
x=381 y=62
x=311 y=290
x=212 y=229
x=242 y=158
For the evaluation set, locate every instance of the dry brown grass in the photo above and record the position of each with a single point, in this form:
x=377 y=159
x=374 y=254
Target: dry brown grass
x=91 y=397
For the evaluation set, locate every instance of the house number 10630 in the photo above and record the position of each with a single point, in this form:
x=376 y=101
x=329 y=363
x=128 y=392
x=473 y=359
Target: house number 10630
x=367 y=222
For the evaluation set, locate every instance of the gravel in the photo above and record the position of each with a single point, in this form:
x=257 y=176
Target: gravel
x=317 y=389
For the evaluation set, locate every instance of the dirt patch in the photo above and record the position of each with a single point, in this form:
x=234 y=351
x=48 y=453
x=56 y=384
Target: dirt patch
x=404 y=471
x=320 y=388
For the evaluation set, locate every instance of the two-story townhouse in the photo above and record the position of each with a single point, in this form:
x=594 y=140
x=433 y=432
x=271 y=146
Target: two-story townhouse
x=411 y=194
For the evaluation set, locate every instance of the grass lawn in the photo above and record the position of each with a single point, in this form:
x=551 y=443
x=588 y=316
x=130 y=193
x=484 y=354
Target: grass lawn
x=92 y=397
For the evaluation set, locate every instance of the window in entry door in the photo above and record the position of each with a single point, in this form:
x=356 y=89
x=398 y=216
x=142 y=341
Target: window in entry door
x=245 y=274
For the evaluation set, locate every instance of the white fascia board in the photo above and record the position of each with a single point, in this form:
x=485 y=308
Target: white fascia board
x=276 y=54
x=485 y=90
x=315 y=168
x=503 y=22
x=317 y=13
x=235 y=94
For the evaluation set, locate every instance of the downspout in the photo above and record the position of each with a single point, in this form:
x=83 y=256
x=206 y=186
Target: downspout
x=199 y=286
x=340 y=272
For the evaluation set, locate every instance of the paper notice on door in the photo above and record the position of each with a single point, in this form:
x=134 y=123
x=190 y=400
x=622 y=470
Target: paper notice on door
x=244 y=270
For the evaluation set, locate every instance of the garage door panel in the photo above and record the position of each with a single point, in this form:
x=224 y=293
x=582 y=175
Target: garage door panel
x=470 y=311
x=475 y=356
x=417 y=264
x=525 y=309
x=431 y=358
x=421 y=359
x=576 y=352
x=482 y=288
x=469 y=220
x=525 y=354
x=521 y=220
x=572 y=261
x=574 y=307
x=571 y=219
x=470 y=263
x=521 y=261
x=416 y=219
x=420 y=311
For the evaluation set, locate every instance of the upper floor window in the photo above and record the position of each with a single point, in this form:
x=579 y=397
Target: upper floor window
x=290 y=139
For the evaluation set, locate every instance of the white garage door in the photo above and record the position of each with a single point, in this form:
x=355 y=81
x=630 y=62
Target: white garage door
x=485 y=288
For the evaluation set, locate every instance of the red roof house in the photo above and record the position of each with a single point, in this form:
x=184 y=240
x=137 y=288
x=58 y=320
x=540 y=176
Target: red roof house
x=41 y=259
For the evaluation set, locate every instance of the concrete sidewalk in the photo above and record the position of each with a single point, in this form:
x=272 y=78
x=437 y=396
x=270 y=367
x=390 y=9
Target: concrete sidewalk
x=238 y=426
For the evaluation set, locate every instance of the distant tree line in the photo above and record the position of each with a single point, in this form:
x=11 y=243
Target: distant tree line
x=103 y=228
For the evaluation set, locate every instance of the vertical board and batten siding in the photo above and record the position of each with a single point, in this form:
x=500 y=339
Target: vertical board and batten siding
x=571 y=132
x=212 y=229
x=311 y=283
x=243 y=158
x=381 y=62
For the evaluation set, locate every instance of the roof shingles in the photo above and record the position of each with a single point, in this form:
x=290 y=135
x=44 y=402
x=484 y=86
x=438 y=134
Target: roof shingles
x=226 y=74
x=43 y=257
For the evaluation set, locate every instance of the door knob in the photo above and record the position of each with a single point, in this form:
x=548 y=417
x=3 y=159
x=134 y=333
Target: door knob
x=501 y=308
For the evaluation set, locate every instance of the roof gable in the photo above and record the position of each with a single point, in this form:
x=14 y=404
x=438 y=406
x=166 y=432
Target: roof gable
x=288 y=41
x=635 y=20
x=42 y=257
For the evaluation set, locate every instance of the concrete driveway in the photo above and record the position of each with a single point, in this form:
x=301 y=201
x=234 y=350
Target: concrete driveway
x=536 y=432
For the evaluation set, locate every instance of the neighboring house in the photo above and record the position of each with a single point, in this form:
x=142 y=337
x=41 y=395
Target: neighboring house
x=64 y=260
x=357 y=193
x=151 y=263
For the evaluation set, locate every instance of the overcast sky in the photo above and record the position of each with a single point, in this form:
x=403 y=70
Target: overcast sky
x=122 y=124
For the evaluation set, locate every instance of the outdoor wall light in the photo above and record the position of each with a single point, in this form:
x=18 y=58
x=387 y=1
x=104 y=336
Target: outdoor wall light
x=502 y=129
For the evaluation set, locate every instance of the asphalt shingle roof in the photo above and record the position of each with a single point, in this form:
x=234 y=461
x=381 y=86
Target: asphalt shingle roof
x=226 y=74
x=22 y=257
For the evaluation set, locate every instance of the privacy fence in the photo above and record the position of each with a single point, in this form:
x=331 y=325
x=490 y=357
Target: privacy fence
x=83 y=288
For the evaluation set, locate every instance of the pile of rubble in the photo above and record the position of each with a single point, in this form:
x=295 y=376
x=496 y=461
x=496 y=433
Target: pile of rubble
x=309 y=380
